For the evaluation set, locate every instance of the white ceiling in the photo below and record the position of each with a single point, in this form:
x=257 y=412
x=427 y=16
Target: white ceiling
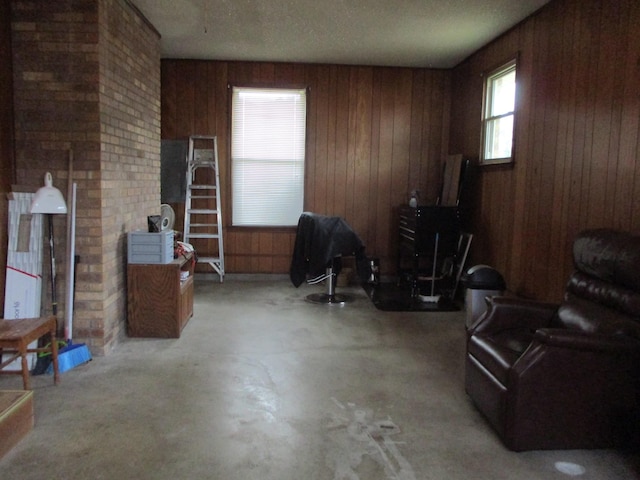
x=411 y=33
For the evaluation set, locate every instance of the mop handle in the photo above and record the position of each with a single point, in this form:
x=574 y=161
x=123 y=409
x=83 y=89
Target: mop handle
x=71 y=271
x=54 y=301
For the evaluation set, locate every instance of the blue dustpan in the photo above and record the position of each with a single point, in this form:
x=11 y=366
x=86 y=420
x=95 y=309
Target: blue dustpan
x=71 y=356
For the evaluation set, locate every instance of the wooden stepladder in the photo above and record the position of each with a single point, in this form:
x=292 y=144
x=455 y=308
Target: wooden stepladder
x=202 y=210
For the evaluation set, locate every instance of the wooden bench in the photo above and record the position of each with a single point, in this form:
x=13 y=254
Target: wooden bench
x=15 y=337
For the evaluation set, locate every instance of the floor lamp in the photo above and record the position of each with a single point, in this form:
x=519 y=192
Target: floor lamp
x=48 y=200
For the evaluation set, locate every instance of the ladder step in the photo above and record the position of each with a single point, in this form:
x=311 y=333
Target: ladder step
x=208 y=259
x=203 y=235
x=202 y=211
x=202 y=187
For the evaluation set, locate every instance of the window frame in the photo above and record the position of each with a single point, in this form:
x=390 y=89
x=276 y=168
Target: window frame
x=488 y=78
x=303 y=185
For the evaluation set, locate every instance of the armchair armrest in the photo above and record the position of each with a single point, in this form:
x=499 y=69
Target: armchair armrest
x=566 y=338
x=562 y=355
x=507 y=313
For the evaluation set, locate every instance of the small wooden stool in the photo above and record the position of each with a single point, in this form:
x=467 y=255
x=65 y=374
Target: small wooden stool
x=15 y=337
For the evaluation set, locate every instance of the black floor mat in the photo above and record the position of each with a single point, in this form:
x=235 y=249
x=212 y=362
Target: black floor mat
x=389 y=297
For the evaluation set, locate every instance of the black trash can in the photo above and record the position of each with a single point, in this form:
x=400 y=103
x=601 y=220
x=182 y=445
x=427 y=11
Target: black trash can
x=481 y=281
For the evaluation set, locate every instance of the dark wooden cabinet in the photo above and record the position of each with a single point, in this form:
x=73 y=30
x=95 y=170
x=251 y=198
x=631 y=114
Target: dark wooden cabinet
x=428 y=237
x=160 y=302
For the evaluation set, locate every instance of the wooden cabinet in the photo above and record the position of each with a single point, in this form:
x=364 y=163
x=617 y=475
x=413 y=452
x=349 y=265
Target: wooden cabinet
x=428 y=237
x=160 y=303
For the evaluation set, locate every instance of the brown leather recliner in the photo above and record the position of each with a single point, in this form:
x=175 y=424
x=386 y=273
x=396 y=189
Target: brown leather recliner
x=565 y=376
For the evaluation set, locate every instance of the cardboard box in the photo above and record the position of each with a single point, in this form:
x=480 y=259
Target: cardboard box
x=23 y=286
x=150 y=247
x=16 y=418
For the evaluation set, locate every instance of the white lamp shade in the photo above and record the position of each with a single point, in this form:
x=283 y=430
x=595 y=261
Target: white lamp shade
x=48 y=199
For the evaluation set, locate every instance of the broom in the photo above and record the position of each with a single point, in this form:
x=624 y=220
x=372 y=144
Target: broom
x=71 y=355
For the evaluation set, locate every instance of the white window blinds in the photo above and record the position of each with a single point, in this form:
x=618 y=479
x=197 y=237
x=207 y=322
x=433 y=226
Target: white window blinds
x=268 y=128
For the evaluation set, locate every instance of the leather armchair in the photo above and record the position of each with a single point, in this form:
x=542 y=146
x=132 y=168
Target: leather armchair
x=565 y=376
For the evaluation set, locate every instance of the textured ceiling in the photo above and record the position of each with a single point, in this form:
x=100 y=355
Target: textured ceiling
x=412 y=33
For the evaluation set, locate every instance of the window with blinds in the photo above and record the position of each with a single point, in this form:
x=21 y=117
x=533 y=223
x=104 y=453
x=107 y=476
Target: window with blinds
x=268 y=130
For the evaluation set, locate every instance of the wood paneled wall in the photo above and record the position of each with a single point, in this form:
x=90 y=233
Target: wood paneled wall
x=374 y=134
x=7 y=163
x=576 y=143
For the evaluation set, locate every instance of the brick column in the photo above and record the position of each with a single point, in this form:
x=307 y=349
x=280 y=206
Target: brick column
x=87 y=79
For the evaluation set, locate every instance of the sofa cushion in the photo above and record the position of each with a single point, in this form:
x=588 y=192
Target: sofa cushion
x=603 y=294
x=599 y=291
x=591 y=317
x=609 y=255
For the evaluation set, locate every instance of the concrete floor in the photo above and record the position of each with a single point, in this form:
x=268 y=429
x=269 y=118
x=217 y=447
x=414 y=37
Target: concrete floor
x=263 y=385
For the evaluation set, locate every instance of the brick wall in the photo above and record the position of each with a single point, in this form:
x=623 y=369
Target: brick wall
x=86 y=79
x=130 y=139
